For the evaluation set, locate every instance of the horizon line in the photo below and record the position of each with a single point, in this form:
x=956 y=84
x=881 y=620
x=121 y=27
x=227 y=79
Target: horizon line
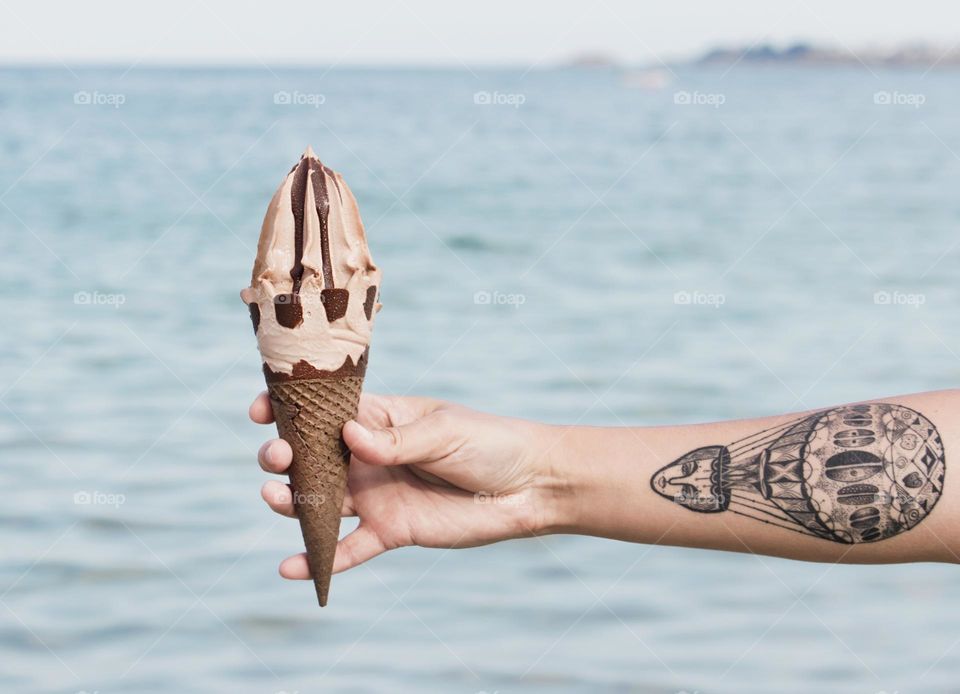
x=386 y=64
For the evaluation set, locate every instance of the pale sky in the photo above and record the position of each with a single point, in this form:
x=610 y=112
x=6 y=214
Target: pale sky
x=439 y=32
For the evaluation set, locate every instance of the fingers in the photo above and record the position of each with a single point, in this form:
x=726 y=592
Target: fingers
x=394 y=410
x=359 y=546
x=260 y=410
x=275 y=456
x=295 y=568
x=425 y=440
x=418 y=406
x=279 y=497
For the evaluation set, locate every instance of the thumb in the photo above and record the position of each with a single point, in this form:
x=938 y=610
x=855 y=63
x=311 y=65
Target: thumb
x=425 y=440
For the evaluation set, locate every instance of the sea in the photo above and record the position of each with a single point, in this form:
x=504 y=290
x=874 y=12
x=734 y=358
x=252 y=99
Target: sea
x=596 y=246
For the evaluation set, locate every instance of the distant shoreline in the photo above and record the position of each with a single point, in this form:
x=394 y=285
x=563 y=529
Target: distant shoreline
x=916 y=56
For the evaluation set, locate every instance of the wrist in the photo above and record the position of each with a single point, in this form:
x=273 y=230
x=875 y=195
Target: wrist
x=592 y=481
x=569 y=483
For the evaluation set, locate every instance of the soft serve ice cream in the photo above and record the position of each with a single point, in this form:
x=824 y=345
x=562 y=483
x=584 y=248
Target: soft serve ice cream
x=313 y=294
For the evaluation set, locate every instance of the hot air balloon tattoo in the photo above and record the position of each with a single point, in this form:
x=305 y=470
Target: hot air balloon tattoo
x=851 y=474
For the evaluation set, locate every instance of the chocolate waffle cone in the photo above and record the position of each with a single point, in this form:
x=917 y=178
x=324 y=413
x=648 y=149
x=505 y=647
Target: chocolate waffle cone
x=310 y=414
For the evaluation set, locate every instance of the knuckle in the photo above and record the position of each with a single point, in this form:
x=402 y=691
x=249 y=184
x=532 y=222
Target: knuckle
x=396 y=441
x=391 y=402
x=441 y=420
x=349 y=553
x=444 y=432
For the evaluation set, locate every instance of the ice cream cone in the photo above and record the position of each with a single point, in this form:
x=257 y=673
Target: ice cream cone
x=312 y=299
x=310 y=414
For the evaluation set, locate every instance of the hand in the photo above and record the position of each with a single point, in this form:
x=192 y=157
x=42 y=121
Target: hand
x=428 y=473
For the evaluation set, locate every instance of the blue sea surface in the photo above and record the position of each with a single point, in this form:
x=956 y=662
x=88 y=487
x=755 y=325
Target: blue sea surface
x=556 y=244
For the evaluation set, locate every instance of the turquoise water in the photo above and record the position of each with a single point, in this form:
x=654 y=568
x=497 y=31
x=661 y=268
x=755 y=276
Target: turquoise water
x=647 y=262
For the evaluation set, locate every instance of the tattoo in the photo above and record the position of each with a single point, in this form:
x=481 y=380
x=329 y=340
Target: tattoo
x=858 y=473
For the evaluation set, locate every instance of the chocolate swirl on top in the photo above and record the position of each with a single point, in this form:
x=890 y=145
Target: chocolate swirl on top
x=335 y=300
x=298 y=204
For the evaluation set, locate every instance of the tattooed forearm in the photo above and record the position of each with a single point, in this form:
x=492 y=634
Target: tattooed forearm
x=858 y=473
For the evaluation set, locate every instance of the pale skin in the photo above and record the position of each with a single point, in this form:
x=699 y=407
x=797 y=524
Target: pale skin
x=434 y=474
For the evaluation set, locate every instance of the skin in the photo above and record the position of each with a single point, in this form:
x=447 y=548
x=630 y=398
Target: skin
x=434 y=474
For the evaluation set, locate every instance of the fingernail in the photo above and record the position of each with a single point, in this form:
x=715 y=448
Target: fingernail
x=268 y=455
x=364 y=433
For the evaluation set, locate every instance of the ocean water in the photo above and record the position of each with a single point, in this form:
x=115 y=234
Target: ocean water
x=732 y=244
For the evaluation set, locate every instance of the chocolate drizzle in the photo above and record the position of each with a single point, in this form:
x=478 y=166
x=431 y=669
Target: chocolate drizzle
x=335 y=303
x=254 y=315
x=288 y=309
x=369 y=301
x=298 y=201
x=322 y=200
x=334 y=300
x=303 y=371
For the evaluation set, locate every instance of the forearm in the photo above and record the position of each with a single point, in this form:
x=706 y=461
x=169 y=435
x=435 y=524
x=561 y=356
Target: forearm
x=855 y=483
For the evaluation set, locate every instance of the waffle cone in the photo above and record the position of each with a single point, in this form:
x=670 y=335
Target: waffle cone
x=310 y=414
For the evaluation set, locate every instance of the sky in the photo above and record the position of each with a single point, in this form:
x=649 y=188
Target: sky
x=439 y=32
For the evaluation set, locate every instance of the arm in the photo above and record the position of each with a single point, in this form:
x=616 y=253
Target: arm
x=853 y=484
x=856 y=483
